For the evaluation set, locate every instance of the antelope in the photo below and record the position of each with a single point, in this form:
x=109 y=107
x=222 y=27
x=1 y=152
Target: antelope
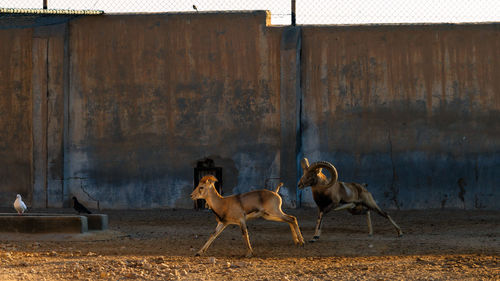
x=331 y=194
x=237 y=209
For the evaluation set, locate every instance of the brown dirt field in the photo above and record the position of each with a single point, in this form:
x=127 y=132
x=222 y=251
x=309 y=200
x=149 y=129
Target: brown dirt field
x=160 y=245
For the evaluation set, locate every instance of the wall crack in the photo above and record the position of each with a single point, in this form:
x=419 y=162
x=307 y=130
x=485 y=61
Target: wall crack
x=393 y=188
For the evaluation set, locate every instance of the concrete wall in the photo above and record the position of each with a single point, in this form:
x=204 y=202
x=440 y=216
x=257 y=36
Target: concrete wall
x=117 y=109
x=414 y=111
x=32 y=81
x=15 y=115
x=49 y=83
x=150 y=95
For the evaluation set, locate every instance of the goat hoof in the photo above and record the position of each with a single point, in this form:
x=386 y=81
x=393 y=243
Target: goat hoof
x=314 y=239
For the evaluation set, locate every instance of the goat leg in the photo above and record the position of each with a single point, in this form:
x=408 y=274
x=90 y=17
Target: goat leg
x=385 y=215
x=370 y=203
x=400 y=233
x=345 y=206
x=317 y=232
x=369 y=222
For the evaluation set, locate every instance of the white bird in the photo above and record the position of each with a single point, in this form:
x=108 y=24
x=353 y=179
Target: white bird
x=19 y=205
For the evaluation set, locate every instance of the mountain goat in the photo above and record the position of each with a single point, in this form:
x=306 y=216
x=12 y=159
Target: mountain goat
x=331 y=194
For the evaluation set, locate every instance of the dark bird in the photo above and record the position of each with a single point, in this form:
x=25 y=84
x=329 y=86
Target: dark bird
x=79 y=207
x=195 y=8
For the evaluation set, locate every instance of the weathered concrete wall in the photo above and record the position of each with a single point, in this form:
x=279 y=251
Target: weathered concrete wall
x=152 y=94
x=15 y=116
x=414 y=111
x=120 y=108
x=32 y=78
x=49 y=85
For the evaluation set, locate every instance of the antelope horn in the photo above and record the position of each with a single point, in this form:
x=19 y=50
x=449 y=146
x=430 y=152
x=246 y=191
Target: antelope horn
x=331 y=169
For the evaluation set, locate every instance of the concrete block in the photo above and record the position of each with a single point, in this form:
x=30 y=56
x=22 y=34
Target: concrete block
x=97 y=221
x=41 y=223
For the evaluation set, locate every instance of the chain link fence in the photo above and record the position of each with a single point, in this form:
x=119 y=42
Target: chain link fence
x=307 y=12
x=397 y=11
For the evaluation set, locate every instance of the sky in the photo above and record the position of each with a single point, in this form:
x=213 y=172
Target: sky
x=308 y=12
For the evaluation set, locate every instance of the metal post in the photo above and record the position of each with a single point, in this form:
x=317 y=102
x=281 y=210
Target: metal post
x=293 y=12
x=45 y=4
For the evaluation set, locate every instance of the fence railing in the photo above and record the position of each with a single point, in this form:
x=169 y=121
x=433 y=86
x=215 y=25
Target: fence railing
x=307 y=12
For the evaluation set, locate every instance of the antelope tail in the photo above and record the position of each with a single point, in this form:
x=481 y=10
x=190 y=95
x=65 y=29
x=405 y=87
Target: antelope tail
x=277 y=189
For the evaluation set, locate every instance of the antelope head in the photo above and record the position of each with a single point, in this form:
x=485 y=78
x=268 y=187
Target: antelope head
x=201 y=191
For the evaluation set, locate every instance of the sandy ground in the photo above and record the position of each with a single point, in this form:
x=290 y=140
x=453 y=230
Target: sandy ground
x=160 y=245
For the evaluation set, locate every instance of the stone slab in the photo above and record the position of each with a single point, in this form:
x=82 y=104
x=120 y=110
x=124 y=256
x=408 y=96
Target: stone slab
x=97 y=221
x=43 y=223
x=94 y=221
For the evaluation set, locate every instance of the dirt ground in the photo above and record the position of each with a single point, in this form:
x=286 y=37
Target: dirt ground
x=160 y=245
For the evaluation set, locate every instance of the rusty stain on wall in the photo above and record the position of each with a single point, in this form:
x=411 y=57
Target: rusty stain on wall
x=15 y=116
x=148 y=102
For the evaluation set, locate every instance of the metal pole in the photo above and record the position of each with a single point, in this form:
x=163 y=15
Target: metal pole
x=45 y=4
x=293 y=12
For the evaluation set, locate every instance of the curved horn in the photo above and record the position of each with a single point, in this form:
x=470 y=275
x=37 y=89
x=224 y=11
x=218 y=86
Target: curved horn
x=304 y=163
x=329 y=167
